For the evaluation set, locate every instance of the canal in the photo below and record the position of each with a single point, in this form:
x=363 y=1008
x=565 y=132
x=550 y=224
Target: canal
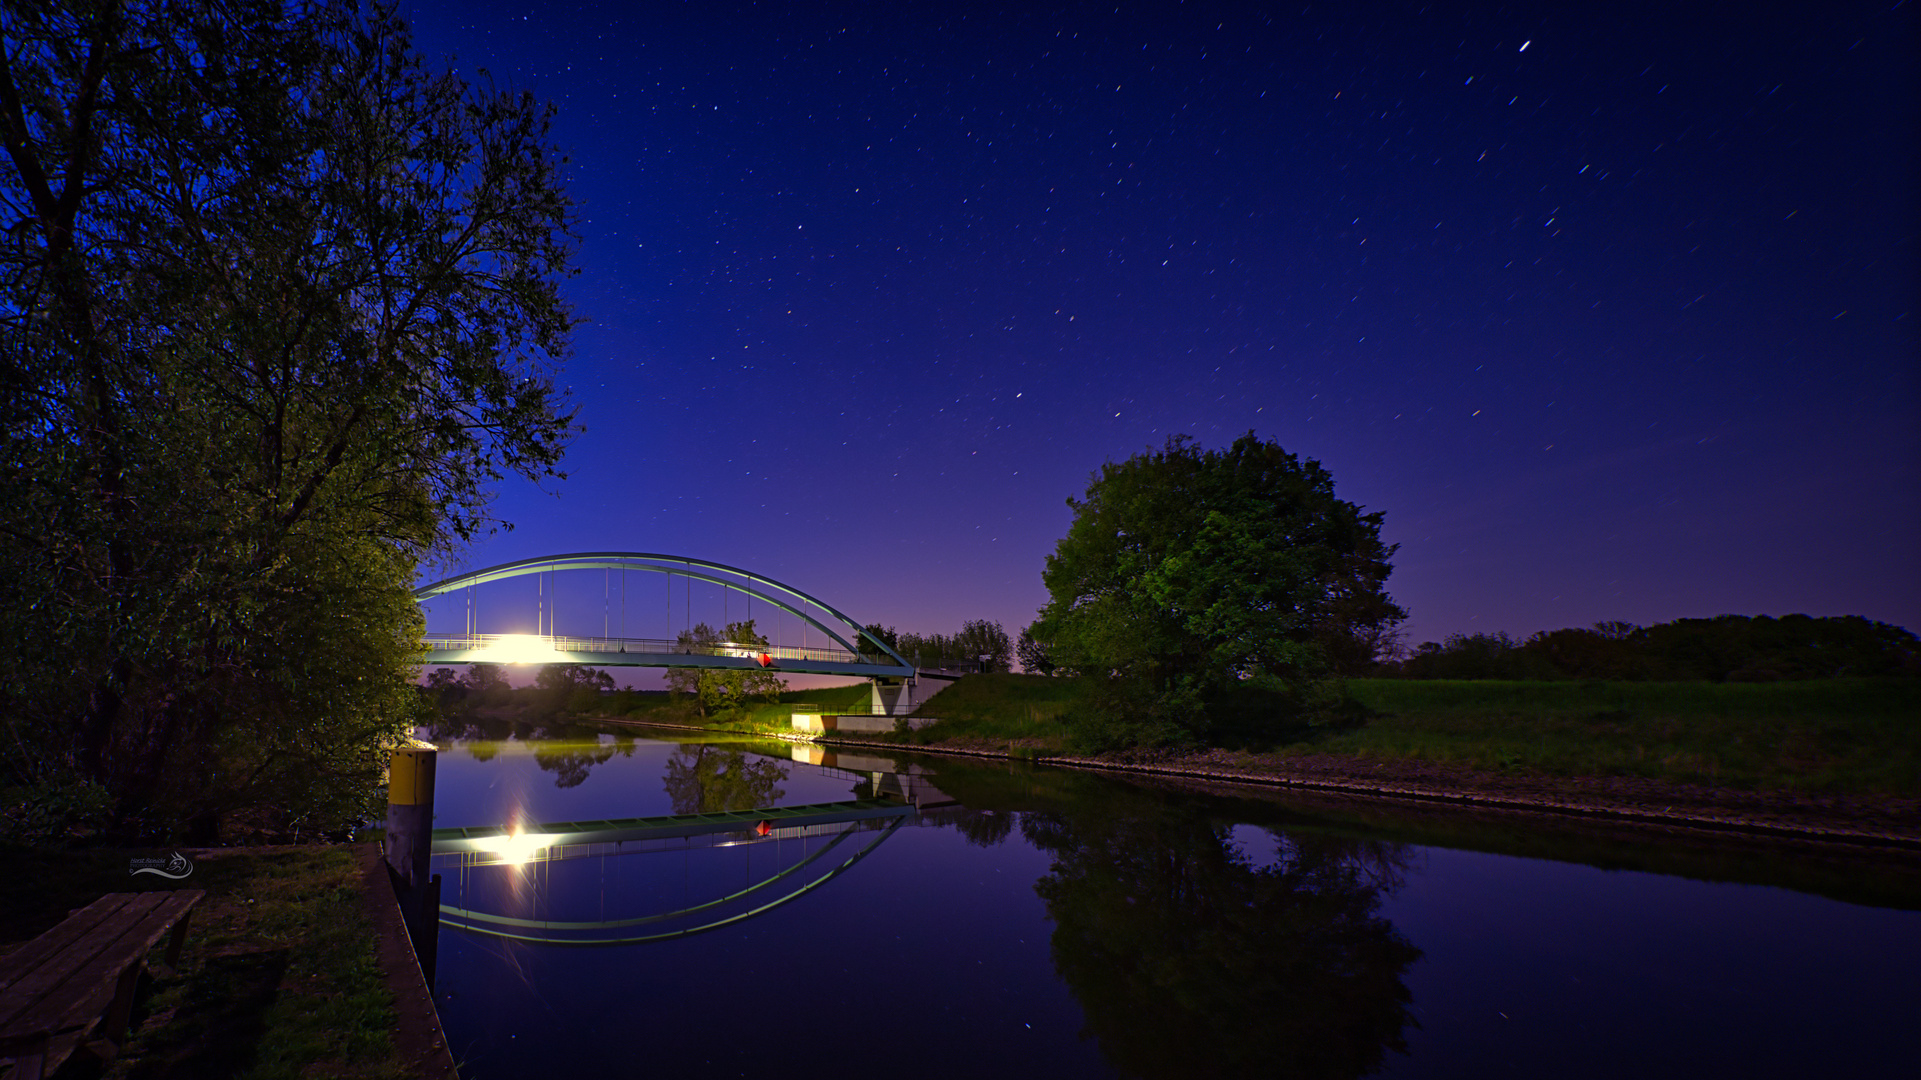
x=956 y=918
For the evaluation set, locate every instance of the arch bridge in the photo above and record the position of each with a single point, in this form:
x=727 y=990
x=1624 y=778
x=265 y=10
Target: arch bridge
x=462 y=850
x=844 y=646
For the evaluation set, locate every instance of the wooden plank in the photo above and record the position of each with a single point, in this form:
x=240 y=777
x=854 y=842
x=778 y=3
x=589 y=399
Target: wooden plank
x=89 y=983
x=71 y=989
x=78 y=925
x=98 y=925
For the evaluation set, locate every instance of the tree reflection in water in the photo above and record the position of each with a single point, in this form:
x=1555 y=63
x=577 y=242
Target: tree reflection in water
x=702 y=779
x=984 y=828
x=1188 y=960
x=571 y=761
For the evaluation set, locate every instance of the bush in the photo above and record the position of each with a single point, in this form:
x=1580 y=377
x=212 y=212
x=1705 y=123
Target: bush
x=52 y=812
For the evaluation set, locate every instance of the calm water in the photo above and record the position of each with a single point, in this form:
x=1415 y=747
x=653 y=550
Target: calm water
x=1032 y=922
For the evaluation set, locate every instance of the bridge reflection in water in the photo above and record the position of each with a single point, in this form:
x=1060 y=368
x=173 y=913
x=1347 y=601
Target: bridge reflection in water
x=550 y=883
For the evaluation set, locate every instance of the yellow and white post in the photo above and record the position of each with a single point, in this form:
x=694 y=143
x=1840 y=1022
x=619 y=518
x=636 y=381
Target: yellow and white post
x=410 y=812
x=410 y=845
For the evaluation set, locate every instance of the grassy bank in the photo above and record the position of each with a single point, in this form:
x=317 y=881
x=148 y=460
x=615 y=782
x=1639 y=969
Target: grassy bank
x=761 y=717
x=278 y=978
x=1829 y=735
x=1856 y=736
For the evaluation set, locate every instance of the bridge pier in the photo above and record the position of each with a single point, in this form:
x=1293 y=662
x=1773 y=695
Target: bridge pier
x=893 y=697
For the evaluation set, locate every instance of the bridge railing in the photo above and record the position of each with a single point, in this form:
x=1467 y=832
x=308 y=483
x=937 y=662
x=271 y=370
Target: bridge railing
x=520 y=648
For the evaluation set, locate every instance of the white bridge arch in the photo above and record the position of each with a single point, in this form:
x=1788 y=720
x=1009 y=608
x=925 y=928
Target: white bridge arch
x=851 y=650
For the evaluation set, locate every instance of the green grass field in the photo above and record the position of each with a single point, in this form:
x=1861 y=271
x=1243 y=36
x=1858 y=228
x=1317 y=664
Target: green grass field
x=1001 y=706
x=1839 y=735
x=1835 y=735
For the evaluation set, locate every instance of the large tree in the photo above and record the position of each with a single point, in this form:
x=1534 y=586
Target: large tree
x=278 y=305
x=1188 y=575
x=572 y=688
x=983 y=642
x=715 y=689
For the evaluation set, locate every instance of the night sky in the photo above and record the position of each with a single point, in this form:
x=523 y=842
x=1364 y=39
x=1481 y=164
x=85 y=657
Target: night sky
x=1611 y=310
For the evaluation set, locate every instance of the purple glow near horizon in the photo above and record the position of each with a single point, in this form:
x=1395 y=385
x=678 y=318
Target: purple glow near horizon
x=1618 y=327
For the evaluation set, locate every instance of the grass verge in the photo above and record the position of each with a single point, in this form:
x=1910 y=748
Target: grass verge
x=760 y=717
x=1843 y=736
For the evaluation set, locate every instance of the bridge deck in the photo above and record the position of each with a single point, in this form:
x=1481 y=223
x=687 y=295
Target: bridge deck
x=651 y=652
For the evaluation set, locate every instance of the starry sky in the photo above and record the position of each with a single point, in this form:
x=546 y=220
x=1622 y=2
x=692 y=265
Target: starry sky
x=1608 y=308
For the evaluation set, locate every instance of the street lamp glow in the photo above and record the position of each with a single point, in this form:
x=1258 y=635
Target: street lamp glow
x=521 y=649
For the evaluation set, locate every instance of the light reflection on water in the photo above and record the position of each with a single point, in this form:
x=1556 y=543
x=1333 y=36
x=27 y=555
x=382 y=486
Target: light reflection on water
x=1053 y=924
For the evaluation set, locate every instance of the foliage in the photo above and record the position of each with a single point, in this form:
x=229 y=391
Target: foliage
x=486 y=681
x=572 y=687
x=977 y=638
x=1475 y=656
x=1036 y=658
x=53 y=811
x=1729 y=648
x=886 y=635
x=1187 y=572
x=278 y=305
x=714 y=689
x=986 y=644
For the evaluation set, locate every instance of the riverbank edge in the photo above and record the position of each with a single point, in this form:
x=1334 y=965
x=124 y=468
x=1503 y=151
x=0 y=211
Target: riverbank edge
x=1587 y=807
x=418 y=1037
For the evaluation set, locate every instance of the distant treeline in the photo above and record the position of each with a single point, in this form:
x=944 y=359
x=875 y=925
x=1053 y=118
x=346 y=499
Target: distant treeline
x=978 y=638
x=1728 y=648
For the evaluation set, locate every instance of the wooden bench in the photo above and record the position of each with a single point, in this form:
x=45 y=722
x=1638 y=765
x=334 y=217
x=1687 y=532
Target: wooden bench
x=56 y=990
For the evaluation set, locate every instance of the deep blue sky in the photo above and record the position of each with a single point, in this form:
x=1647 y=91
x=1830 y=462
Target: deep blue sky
x=1611 y=311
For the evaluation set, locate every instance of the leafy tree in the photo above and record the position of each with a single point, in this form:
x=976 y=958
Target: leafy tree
x=279 y=305
x=1476 y=656
x=885 y=634
x=929 y=650
x=1191 y=576
x=715 y=689
x=572 y=687
x=1730 y=648
x=1036 y=658
x=487 y=681
x=978 y=639
x=1607 y=651
x=567 y=678
x=1741 y=648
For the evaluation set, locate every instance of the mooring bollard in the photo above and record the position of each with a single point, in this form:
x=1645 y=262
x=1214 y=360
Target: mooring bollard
x=410 y=846
x=410 y=813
